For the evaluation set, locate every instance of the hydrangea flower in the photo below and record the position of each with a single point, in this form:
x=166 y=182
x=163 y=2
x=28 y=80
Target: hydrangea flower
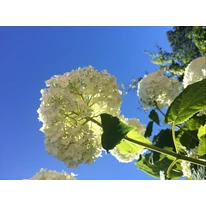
x=186 y=169
x=162 y=175
x=125 y=158
x=199 y=174
x=157 y=87
x=195 y=71
x=69 y=108
x=45 y=174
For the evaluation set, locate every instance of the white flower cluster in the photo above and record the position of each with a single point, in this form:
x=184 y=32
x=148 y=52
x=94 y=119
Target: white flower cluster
x=45 y=174
x=199 y=174
x=125 y=158
x=69 y=109
x=193 y=153
x=195 y=71
x=186 y=170
x=135 y=122
x=162 y=175
x=157 y=87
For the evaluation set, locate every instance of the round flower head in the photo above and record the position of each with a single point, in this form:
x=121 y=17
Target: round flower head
x=157 y=87
x=125 y=158
x=69 y=108
x=195 y=71
x=45 y=174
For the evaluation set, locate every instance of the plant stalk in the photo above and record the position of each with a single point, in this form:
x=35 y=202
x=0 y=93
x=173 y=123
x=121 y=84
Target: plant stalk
x=170 y=168
x=173 y=137
x=168 y=153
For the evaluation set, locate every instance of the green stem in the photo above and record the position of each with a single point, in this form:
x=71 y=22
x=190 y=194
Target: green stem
x=159 y=109
x=175 y=125
x=170 y=168
x=173 y=137
x=159 y=150
x=95 y=121
x=167 y=153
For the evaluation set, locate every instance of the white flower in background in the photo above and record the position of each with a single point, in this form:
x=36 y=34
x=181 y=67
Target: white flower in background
x=186 y=169
x=135 y=122
x=125 y=158
x=69 y=109
x=202 y=112
x=157 y=87
x=45 y=174
x=199 y=173
x=195 y=71
x=162 y=175
x=193 y=153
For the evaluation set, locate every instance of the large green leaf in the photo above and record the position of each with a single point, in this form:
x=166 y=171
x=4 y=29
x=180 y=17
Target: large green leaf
x=202 y=137
x=126 y=146
x=189 y=102
x=114 y=131
x=145 y=164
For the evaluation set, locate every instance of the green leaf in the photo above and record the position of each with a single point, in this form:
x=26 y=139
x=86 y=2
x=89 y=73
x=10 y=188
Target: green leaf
x=154 y=116
x=145 y=164
x=202 y=146
x=195 y=122
x=126 y=147
x=187 y=138
x=163 y=140
x=202 y=137
x=201 y=131
x=188 y=135
x=114 y=131
x=148 y=131
x=189 y=102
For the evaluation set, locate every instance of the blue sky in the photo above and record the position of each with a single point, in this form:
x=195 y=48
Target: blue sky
x=31 y=55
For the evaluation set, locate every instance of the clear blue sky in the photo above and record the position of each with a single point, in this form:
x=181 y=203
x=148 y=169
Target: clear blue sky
x=31 y=55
